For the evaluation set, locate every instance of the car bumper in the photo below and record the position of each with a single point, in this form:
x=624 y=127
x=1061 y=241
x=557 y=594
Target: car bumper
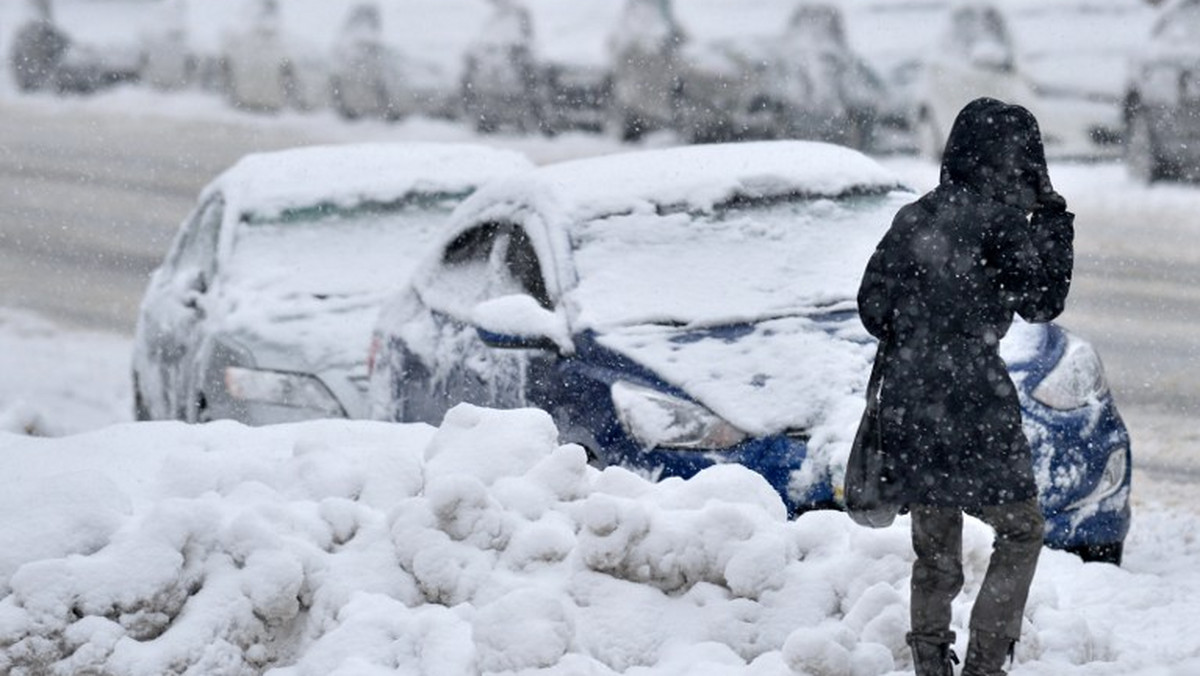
x=1071 y=522
x=779 y=459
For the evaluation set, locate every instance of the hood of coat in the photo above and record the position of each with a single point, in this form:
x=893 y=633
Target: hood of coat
x=995 y=149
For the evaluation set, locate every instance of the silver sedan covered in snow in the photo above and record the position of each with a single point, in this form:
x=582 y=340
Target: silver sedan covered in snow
x=262 y=310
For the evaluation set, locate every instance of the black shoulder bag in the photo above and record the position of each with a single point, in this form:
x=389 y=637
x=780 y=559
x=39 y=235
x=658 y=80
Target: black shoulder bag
x=864 y=469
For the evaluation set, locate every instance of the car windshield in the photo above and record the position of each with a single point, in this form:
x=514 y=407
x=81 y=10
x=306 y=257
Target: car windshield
x=748 y=260
x=326 y=249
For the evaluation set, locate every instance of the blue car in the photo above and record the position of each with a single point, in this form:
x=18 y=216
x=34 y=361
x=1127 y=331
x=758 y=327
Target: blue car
x=674 y=309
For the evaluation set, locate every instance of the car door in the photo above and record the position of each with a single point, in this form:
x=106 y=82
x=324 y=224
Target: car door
x=173 y=320
x=486 y=262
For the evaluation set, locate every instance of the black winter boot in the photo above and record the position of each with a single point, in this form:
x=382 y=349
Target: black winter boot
x=932 y=655
x=986 y=653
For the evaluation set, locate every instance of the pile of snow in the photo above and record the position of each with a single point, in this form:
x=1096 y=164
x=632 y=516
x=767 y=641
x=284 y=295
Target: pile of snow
x=51 y=387
x=483 y=546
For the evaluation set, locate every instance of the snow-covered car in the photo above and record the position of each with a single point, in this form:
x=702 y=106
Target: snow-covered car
x=46 y=55
x=678 y=308
x=364 y=78
x=1060 y=60
x=644 y=47
x=170 y=62
x=1162 y=104
x=573 y=63
x=264 y=69
x=500 y=81
x=803 y=81
x=263 y=307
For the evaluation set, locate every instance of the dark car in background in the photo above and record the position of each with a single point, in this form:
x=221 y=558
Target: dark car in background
x=46 y=56
x=675 y=309
x=1162 y=104
x=262 y=309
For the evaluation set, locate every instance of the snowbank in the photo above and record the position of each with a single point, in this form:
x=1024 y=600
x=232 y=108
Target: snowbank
x=482 y=546
x=51 y=387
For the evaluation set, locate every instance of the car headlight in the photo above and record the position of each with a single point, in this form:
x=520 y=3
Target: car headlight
x=295 y=390
x=659 y=420
x=1110 y=482
x=1075 y=381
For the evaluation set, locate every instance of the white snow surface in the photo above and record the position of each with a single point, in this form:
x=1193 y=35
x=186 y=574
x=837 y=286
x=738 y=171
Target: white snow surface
x=264 y=184
x=480 y=546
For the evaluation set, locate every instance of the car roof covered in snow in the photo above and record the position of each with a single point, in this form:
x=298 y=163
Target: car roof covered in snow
x=695 y=177
x=267 y=183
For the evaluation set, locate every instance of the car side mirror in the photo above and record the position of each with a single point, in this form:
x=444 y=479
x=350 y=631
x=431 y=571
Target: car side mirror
x=194 y=287
x=520 y=322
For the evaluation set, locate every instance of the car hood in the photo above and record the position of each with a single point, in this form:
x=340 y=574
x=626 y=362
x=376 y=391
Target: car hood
x=788 y=374
x=797 y=374
x=325 y=335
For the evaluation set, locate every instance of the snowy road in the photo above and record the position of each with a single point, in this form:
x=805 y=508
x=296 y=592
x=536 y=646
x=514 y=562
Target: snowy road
x=91 y=201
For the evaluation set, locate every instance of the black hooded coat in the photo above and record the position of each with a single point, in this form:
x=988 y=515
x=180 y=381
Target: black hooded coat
x=992 y=239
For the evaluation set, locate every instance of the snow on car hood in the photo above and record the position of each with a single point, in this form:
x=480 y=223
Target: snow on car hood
x=791 y=373
x=800 y=373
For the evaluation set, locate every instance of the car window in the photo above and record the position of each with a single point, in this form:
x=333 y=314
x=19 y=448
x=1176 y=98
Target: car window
x=488 y=261
x=328 y=249
x=518 y=270
x=197 y=251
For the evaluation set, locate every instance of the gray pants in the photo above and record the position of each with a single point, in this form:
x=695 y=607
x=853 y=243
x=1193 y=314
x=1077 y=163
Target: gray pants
x=937 y=573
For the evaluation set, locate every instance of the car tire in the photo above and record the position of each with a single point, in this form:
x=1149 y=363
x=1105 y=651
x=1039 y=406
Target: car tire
x=1143 y=159
x=1103 y=553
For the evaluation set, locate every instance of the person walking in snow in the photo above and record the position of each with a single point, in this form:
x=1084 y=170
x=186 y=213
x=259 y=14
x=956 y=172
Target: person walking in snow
x=940 y=291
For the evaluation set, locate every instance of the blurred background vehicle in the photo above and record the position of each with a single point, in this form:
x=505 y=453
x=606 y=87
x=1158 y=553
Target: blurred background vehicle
x=1061 y=60
x=45 y=55
x=644 y=49
x=262 y=309
x=861 y=74
x=500 y=81
x=662 y=317
x=572 y=62
x=801 y=81
x=266 y=69
x=365 y=78
x=1162 y=101
x=169 y=61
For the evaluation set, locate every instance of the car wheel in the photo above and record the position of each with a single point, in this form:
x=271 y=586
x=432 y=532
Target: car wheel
x=1105 y=553
x=1142 y=157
